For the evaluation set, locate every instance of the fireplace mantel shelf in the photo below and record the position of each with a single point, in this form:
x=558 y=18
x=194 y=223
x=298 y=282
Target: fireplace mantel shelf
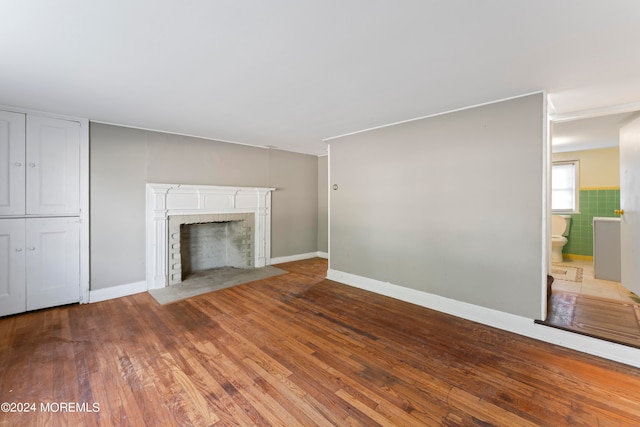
x=164 y=200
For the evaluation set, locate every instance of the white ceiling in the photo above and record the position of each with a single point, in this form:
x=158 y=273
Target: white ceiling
x=590 y=133
x=290 y=73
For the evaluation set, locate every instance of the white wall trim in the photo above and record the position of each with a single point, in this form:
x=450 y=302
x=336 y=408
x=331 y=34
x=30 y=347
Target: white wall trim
x=329 y=189
x=20 y=110
x=188 y=135
x=85 y=232
x=98 y=295
x=497 y=319
x=138 y=287
x=430 y=115
x=595 y=112
x=298 y=257
x=546 y=205
x=207 y=138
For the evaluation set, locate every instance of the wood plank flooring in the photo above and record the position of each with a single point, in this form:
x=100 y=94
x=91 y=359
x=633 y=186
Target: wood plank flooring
x=296 y=350
x=578 y=302
x=611 y=320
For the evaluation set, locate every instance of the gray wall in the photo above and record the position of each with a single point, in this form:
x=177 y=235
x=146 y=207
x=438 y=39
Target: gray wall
x=123 y=160
x=323 y=213
x=294 y=219
x=450 y=205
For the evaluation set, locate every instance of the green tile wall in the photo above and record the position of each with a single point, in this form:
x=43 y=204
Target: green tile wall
x=592 y=203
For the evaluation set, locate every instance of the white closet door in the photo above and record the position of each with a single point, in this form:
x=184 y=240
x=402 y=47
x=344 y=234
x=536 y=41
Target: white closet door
x=12 y=266
x=53 y=166
x=12 y=151
x=53 y=262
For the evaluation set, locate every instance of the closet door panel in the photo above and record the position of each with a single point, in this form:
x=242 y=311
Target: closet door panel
x=53 y=262
x=12 y=152
x=12 y=266
x=53 y=166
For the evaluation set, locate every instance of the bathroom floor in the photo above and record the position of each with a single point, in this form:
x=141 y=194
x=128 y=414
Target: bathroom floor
x=598 y=308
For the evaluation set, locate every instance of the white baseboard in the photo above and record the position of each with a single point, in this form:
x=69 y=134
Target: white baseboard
x=497 y=319
x=117 y=291
x=137 y=287
x=299 y=257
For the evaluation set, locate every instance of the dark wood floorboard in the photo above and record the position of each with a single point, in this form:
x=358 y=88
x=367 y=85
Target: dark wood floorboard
x=613 y=315
x=610 y=320
x=297 y=350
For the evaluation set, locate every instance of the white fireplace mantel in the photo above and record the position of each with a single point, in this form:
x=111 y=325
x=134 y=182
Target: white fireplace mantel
x=164 y=200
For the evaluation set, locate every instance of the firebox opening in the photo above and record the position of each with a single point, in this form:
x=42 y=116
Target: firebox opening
x=199 y=243
x=213 y=245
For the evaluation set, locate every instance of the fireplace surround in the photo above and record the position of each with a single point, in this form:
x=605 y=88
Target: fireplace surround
x=170 y=206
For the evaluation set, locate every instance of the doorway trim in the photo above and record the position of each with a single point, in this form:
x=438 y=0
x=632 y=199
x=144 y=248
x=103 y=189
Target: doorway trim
x=594 y=112
x=574 y=340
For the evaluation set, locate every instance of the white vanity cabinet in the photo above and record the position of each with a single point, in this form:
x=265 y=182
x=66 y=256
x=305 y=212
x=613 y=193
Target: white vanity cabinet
x=40 y=214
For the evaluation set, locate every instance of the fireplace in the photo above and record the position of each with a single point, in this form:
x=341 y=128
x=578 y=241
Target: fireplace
x=198 y=227
x=203 y=242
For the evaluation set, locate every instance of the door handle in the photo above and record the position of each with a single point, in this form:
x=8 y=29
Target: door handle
x=619 y=211
x=31 y=248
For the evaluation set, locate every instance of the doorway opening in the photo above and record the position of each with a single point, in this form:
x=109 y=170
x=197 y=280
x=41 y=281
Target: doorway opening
x=586 y=296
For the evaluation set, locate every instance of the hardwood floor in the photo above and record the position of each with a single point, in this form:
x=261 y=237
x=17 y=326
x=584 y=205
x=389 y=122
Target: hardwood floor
x=597 y=308
x=296 y=350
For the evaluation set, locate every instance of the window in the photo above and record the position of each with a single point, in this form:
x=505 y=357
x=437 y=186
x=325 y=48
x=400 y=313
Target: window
x=564 y=186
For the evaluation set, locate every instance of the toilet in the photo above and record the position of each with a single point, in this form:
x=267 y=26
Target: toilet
x=559 y=233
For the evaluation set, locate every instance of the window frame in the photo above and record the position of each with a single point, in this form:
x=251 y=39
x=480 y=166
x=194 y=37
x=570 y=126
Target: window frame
x=576 y=186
